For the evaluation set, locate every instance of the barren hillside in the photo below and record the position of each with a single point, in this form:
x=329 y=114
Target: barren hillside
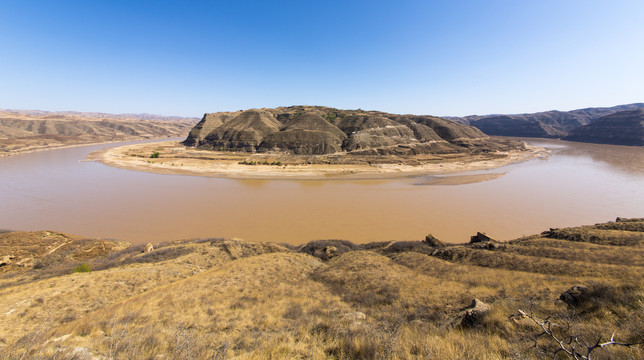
x=72 y=298
x=318 y=130
x=22 y=131
x=550 y=124
x=621 y=128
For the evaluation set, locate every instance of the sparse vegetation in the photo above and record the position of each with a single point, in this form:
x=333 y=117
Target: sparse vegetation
x=82 y=268
x=155 y=155
x=265 y=162
x=218 y=298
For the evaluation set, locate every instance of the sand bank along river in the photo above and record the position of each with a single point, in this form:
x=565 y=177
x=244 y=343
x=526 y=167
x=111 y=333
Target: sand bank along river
x=173 y=158
x=578 y=184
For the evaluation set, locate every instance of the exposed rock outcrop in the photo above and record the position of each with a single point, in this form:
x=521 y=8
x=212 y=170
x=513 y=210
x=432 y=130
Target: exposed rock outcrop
x=433 y=242
x=355 y=316
x=480 y=237
x=327 y=249
x=308 y=133
x=474 y=314
x=243 y=132
x=208 y=123
x=6 y=260
x=575 y=296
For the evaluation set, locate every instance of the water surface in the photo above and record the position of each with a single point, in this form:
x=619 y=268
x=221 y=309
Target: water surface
x=579 y=184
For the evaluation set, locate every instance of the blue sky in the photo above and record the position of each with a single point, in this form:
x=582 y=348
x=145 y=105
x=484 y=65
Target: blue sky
x=422 y=57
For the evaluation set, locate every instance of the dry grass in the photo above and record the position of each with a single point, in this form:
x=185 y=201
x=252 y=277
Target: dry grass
x=578 y=251
x=216 y=299
x=623 y=233
x=535 y=264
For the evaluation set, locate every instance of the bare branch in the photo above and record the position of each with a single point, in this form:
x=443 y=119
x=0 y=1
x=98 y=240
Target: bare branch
x=572 y=345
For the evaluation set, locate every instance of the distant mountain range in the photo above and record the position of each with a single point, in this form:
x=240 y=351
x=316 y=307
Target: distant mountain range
x=620 y=128
x=560 y=124
x=75 y=115
x=31 y=130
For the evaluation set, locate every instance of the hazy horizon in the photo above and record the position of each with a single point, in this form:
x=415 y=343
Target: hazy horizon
x=435 y=58
x=200 y=115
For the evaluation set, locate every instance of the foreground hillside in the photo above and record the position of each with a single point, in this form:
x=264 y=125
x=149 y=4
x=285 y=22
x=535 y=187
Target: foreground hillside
x=66 y=297
x=22 y=131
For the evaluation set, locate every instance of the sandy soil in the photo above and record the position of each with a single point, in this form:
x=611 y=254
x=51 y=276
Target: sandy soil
x=174 y=158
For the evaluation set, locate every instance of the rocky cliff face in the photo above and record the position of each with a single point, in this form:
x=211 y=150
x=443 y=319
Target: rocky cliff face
x=621 y=128
x=313 y=130
x=207 y=124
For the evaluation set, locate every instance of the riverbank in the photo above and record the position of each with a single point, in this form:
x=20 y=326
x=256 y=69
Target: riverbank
x=171 y=157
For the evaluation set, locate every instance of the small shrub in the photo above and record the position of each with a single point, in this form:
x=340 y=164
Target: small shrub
x=82 y=268
x=155 y=155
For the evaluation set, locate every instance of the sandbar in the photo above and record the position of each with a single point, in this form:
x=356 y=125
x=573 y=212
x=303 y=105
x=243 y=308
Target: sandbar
x=174 y=158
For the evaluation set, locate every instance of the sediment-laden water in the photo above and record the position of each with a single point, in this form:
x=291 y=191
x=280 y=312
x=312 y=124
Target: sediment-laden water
x=579 y=184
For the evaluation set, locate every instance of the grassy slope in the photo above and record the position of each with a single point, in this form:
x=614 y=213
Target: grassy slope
x=235 y=299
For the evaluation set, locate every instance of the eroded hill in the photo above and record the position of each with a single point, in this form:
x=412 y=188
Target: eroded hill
x=622 y=128
x=550 y=124
x=227 y=298
x=22 y=131
x=317 y=130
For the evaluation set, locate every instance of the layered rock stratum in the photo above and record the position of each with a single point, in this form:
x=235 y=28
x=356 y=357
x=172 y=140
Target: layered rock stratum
x=318 y=130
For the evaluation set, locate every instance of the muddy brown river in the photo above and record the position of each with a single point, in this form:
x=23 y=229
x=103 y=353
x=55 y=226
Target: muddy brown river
x=579 y=184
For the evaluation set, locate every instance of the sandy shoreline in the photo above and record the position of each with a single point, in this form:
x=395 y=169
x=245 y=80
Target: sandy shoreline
x=176 y=159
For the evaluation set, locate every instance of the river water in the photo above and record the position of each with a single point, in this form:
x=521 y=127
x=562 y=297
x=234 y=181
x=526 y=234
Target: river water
x=579 y=184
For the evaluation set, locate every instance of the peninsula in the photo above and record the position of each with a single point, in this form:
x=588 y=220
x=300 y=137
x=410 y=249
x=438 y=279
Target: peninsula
x=315 y=141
